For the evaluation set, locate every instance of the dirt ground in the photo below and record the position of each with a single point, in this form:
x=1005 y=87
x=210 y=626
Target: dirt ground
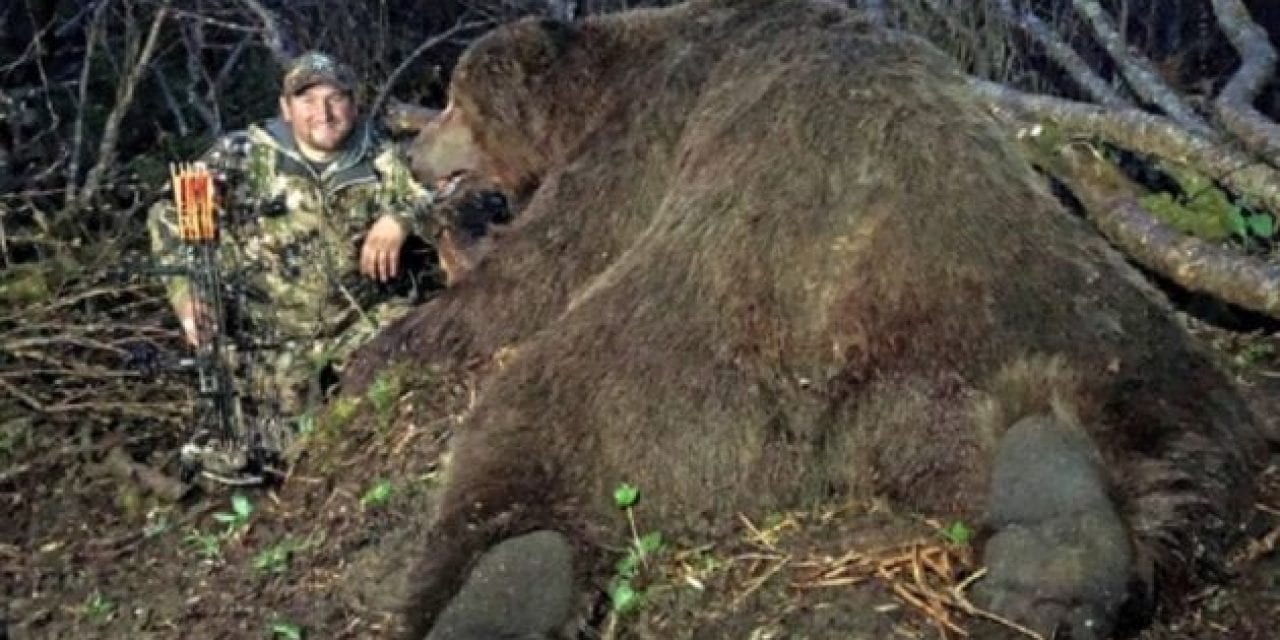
x=85 y=553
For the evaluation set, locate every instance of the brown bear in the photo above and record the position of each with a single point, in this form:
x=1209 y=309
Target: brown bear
x=768 y=254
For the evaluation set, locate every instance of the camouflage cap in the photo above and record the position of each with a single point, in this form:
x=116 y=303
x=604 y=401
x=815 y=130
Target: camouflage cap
x=314 y=68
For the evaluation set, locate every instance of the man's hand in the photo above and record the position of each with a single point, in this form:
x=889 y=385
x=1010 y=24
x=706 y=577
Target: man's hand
x=380 y=255
x=193 y=315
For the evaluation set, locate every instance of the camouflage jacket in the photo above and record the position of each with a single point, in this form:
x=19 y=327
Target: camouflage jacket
x=300 y=268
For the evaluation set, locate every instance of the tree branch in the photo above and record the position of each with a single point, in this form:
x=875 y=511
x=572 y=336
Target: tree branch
x=193 y=38
x=1141 y=76
x=1192 y=263
x=1064 y=55
x=380 y=100
x=1145 y=133
x=124 y=99
x=214 y=92
x=1234 y=106
x=77 y=136
x=167 y=94
x=281 y=49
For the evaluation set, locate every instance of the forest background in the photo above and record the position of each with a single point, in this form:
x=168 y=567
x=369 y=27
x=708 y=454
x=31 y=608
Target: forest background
x=1154 y=119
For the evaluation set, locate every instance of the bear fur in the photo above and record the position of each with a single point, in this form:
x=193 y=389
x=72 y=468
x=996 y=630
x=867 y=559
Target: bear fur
x=768 y=255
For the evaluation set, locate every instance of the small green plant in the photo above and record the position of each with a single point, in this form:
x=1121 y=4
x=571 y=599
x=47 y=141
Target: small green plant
x=306 y=424
x=207 y=545
x=383 y=393
x=275 y=558
x=957 y=533
x=378 y=495
x=341 y=412
x=622 y=592
x=238 y=520
x=1253 y=353
x=1203 y=209
x=285 y=629
x=1246 y=223
x=98 y=609
x=626 y=496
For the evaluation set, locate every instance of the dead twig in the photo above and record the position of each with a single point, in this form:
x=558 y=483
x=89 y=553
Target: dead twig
x=920 y=572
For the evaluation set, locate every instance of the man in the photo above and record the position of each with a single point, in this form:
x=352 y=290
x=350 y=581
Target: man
x=316 y=272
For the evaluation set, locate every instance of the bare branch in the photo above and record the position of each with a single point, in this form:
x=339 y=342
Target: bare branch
x=1139 y=72
x=1064 y=55
x=124 y=99
x=273 y=37
x=1234 y=105
x=96 y=27
x=222 y=24
x=214 y=91
x=193 y=38
x=67 y=27
x=427 y=45
x=171 y=102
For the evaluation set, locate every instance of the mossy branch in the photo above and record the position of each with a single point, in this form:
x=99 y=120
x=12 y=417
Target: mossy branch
x=1192 y=263
x=1144 y=133
x=1110 y=201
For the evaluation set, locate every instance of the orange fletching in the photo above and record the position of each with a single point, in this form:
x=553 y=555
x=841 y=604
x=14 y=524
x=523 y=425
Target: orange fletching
x=194 y=198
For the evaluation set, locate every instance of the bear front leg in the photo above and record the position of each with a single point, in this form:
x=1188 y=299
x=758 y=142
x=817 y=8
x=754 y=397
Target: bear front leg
x=499 y=558
x=1060 y=558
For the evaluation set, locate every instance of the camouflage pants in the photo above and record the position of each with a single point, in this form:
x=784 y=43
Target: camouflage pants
x=291 y=381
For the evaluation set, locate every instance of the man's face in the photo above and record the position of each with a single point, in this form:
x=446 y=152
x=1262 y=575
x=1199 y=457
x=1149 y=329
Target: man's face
x=321 y=117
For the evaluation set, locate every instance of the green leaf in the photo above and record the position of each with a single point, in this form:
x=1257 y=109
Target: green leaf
x=957 y=533
x=626 y=495
x=377 y=495
x=287 y=630
x=275 y=559
x=1261 y=225
x=380 y=394
x=241 y=505
x=206 y=544
x=626 y=566
x=226 y=518
x=306 y=423
x=624 y=597
x=650 y=542
x=1237 y=223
